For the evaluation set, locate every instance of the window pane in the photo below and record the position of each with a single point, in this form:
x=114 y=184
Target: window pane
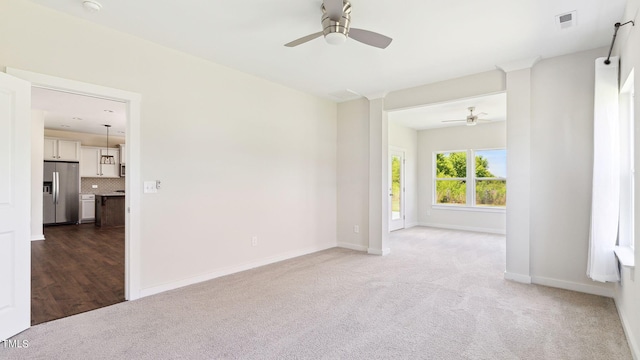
x=491 y=192
x=395 y=187
x=491 y=163
x=451 y=165
x=451 y=191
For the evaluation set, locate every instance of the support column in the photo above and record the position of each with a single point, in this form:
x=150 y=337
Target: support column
x=518 y=170
x=378 y=170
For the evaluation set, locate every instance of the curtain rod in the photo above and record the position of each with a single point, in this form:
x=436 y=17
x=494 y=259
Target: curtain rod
x=617 y=25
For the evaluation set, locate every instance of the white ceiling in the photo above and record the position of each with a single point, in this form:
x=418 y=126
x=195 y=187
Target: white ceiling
x=493 y=106
x=78 y=113
x=432 y=40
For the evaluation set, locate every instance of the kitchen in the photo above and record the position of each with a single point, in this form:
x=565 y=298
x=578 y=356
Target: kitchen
x=80 y=264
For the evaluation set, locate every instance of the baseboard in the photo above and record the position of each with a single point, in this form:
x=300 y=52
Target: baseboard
x=525 y=279
x=633 y=345
x=230 y=270
x=352 y=246
x=573 y=286
x=465 y=228
x=382 y=252
x=37 y=237
x=411 y=224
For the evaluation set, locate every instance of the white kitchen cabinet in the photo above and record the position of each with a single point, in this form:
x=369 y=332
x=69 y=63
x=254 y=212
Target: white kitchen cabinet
x=61 y=149
x=123 y=154
x=87 y=208
x=90 y=165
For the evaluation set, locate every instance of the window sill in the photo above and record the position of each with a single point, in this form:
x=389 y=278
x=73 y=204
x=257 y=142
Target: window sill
x=469 y=208
x=625 y=256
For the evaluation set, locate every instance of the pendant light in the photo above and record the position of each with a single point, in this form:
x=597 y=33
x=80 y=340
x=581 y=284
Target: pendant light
x=107 y=159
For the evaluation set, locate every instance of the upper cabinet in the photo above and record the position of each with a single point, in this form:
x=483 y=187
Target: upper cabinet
x=123 y=154
x=90 y=165
x=61 y=149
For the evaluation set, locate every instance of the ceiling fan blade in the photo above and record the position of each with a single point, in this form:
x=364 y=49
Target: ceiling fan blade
x=334 y=9
x=453 y=120
x=480 y=114
x=370 y=38
x=303 y=39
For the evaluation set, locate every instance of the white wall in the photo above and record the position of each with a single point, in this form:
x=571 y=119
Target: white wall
x=627 y=293
x=482 y=136
x=238 y=156
x=353 y=174
x=407 y=139
x=562 y=91
x=37 y=173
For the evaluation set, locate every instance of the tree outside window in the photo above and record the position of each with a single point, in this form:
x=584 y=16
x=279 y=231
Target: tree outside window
x=482 y=183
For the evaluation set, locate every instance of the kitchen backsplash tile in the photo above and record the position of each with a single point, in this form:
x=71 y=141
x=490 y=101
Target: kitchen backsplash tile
x=104 y=185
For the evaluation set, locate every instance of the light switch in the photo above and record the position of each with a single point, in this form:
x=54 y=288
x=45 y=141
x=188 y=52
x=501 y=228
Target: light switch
x=150 y=187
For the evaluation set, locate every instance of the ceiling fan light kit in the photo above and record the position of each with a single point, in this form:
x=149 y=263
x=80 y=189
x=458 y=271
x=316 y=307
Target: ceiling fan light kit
x=336 y=32
x=92 y=5
x=335 y=38
x=336 y=27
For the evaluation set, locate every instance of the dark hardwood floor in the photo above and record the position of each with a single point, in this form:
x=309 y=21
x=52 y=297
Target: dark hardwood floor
x=76 y=268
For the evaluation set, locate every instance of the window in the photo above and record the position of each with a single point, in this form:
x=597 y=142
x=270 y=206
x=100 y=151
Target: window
x=627 y=172
x=451 y=178
x=479 y=183
x=491 y=177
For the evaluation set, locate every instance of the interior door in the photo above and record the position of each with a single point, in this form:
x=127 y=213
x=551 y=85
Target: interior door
x=15 y=199
x=396 y=190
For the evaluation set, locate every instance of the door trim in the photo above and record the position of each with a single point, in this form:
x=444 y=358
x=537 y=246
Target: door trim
x=132 y=286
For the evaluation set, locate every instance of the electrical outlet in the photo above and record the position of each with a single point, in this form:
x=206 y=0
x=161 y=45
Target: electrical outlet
x=254 y=241
x=356 y=229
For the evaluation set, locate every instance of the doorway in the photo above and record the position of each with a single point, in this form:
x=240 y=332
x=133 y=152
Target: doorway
x=397 y=189
x=132 y=101
x=80 y=266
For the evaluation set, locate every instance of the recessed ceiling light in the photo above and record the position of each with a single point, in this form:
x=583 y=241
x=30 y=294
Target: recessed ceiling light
x=107 y=110
x=77 y=118
x=65 y=126
x=120 y=132
x=92 y=5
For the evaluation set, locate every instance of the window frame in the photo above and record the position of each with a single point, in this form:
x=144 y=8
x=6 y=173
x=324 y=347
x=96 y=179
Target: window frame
x=470 y=181
x=434 y=171
x=626 y=226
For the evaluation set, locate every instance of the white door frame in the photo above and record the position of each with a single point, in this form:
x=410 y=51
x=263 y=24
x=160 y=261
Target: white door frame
x=400 y=223
x=132 y=286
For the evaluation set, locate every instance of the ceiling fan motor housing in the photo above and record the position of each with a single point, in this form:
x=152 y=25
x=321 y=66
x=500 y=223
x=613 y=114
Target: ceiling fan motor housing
x=341 y=26
x=472 y=120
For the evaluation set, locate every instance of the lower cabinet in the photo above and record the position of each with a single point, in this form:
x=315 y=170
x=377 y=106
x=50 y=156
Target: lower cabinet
x=87 y=208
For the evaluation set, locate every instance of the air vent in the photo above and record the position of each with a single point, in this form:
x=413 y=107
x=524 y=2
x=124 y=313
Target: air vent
x=566 y=20
x=345 y=95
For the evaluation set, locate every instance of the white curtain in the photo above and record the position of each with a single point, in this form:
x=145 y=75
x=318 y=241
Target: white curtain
x=605 y=203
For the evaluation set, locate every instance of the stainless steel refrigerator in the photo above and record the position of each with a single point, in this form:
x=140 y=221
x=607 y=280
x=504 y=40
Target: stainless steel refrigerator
x=61 y=191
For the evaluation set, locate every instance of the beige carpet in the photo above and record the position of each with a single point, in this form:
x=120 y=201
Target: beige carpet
x=440 y=294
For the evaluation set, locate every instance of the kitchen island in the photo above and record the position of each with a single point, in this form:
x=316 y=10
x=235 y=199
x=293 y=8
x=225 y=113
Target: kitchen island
x=110 y=209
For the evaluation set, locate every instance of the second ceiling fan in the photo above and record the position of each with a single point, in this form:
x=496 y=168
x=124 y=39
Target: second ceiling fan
x=471 y=119
x=336 y=27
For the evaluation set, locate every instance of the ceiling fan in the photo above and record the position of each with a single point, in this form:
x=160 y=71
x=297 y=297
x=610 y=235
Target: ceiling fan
x=471 y=118
x=336 y=21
